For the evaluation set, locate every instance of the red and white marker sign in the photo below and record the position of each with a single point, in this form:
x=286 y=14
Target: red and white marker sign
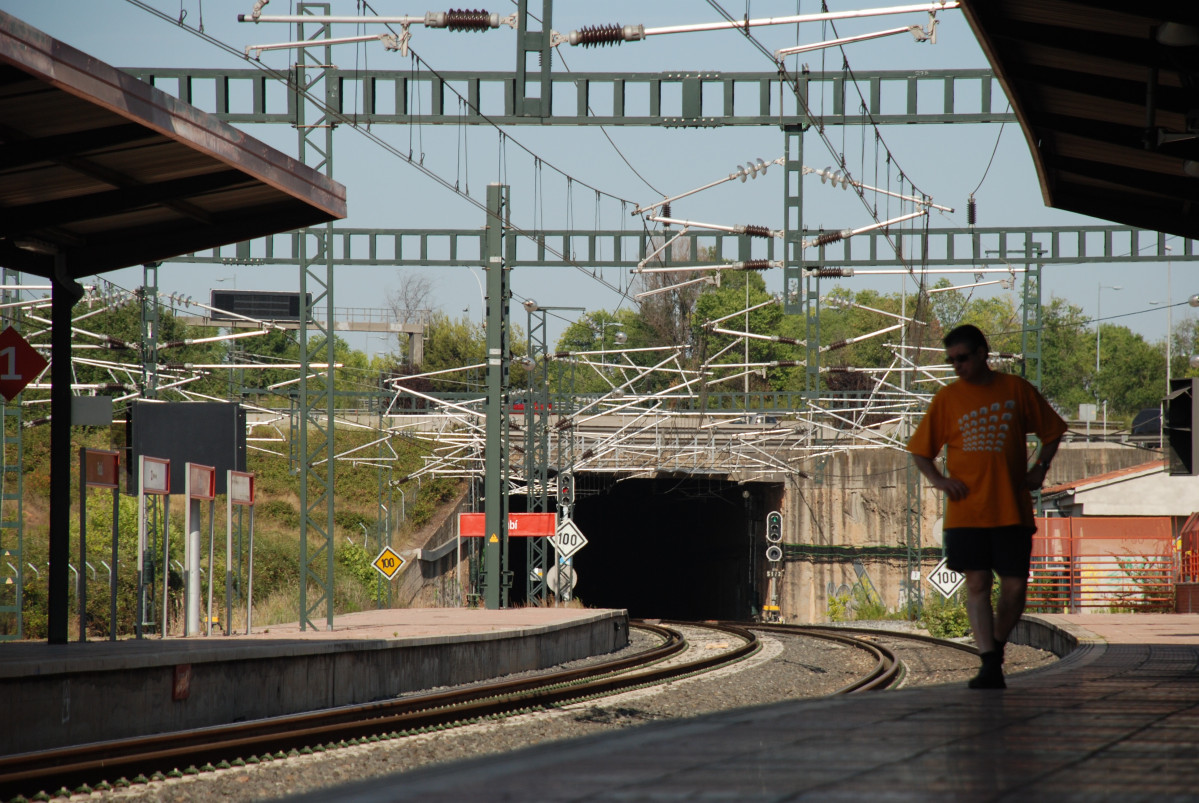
x=100 y=468
x=202 y=480
x=241 y=487
x=20 y=363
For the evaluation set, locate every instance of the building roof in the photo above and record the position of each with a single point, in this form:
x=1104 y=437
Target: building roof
x=111 y=172
x=1106 y=478
x=1107 y=93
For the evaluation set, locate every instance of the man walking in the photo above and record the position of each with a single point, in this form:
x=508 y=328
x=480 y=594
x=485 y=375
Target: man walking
x=984 y=419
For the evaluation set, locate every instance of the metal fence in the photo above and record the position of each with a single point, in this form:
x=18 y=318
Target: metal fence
x=1101 y=564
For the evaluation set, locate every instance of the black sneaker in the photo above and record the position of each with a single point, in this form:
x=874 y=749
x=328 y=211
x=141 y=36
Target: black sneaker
x=990 y=674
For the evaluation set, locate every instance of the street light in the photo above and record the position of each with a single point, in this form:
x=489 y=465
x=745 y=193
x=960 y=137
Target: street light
x=1098 y=317
x=1169 y=302
x=620 y=338
x=482 y=295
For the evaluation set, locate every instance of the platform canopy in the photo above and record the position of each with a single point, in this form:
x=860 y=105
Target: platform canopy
x=111 y=172
x=100 y=171
x=1107 y=92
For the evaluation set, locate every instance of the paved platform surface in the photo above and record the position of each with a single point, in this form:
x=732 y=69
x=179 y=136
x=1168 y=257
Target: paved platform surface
x=411 y=626
x=1116 y=720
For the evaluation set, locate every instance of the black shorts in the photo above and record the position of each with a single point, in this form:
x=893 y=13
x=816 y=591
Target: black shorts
x=1006 y=550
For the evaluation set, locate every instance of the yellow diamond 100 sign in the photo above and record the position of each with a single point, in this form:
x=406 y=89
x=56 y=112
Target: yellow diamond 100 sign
x=388 y=563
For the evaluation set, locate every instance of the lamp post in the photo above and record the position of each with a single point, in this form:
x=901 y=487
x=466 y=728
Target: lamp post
x=1098 y=317
x=620 y=338
x=1169 y=302
x=482 y=296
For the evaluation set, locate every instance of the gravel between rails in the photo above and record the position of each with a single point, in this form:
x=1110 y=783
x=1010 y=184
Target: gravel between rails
x=787 y=667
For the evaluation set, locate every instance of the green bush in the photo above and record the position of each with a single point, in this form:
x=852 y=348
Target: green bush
x=356 y=562
x=858 y=604
x=946 y=618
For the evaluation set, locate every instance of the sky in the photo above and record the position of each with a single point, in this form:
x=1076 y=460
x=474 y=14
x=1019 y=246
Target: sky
x=946 y=162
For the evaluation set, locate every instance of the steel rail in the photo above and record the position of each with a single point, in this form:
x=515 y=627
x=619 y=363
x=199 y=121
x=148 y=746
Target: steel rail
x=888 y=671
x=90 y=764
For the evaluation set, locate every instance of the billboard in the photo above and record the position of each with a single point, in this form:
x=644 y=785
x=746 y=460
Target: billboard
x=209 y=433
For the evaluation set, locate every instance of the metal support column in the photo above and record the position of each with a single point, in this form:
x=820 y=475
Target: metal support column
x=64 y=293
x=497 y=579
x=793 y=256
x=150 y=330
x=316 y=447
x=1030 y=333
x=529 y=44
x=537 y=450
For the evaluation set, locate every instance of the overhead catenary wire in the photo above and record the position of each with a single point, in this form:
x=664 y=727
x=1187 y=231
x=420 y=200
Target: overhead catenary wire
x=407 y=158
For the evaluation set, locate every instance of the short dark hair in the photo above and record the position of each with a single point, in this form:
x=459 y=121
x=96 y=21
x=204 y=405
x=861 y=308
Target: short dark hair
x=968 y=335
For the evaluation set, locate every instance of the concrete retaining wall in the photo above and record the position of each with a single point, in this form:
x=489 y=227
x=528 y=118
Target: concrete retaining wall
x=135 y=693
x=855 y=508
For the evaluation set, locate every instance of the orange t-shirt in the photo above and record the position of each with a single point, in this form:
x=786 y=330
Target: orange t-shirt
x=986 y=429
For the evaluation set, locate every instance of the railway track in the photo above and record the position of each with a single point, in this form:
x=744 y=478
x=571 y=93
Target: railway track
x=103 y=765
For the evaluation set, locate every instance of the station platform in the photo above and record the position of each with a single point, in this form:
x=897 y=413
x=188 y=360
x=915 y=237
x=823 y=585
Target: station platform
x=1116 y=719
x=68 y=694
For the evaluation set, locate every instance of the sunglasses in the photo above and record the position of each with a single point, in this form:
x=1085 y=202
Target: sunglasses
x=957 y=358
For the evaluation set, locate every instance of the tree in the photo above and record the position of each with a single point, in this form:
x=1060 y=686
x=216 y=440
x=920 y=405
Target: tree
x=602 y=330
x=454 y=344
x=120 y=329
x=949 y=306
x=842 y=318
x=1132 y=372
x=1067 y=348
x=999 y=318
x=1185 y=343
x=730 y=299
x=410 y=302
x=668 y=314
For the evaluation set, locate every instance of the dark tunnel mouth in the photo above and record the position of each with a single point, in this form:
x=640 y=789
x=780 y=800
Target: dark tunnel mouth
x=671 y=547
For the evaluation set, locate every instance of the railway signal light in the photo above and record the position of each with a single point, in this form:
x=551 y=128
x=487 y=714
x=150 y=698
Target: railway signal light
x=774 y=554
x=774 y=526
x=566 y=489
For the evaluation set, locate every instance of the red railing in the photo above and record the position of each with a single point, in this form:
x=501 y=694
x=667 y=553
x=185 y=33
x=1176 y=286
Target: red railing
x=1188 y=551
x=1102 y=564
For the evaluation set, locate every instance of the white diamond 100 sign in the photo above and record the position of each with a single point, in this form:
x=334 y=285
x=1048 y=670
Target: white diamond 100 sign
x=945 y=579
x=568 y=539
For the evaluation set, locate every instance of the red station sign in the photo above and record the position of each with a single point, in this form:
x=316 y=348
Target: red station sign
x=526 y=525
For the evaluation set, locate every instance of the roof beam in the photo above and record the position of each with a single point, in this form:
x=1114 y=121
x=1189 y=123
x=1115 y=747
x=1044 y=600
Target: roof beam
x=32 y=217
x=16 y=153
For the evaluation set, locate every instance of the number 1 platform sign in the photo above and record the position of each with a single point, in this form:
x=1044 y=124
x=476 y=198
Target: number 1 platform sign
x=20 y=363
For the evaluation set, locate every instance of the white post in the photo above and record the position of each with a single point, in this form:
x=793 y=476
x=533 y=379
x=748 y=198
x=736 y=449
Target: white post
x=211 y=562
x=229 y=552
x=191 y=559
x=250 y=576
x=140 y=612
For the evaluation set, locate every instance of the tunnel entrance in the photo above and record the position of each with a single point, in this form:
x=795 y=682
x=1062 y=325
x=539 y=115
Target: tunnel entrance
x=671 y=548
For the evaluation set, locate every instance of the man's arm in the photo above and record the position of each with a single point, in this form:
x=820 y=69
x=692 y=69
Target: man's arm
x=952 y=487
x=1036 y=475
